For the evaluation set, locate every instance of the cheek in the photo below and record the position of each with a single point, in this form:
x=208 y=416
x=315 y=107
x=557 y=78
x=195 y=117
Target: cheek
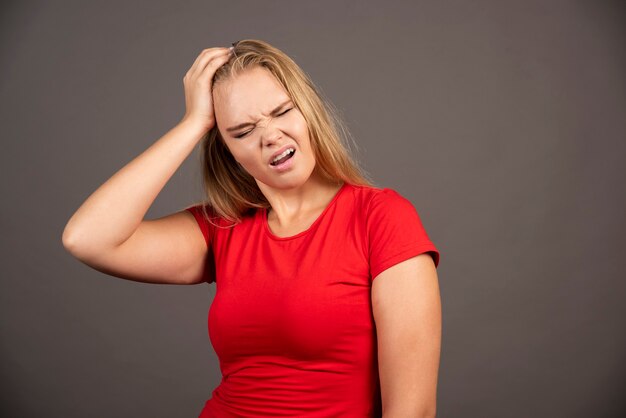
x=247 y=155
x=301 y=129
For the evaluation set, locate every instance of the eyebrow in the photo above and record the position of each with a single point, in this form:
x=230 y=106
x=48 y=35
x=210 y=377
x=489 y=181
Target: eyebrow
x=243 y=125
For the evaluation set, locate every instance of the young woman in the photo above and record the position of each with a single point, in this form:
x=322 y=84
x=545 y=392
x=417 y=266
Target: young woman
x=327 y=300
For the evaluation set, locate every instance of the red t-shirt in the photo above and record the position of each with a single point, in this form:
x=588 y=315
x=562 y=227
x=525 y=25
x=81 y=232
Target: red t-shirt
x=291 y=321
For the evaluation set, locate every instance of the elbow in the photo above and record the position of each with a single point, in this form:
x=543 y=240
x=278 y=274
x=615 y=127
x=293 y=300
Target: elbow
x=421 y=412
x=74 y=237
x=69 y=239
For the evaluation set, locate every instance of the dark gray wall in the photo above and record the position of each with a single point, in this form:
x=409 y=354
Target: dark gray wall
x=503 y=122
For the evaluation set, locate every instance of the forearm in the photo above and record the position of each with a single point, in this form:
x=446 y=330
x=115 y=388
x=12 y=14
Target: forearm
x=113 y=212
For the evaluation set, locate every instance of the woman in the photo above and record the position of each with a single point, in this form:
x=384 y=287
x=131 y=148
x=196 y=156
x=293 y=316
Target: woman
x=327 y=300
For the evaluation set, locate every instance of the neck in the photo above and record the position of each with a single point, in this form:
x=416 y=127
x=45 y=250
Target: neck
x=290 y=205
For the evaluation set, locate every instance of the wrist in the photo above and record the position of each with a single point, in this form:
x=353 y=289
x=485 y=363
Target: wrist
x=192 y=123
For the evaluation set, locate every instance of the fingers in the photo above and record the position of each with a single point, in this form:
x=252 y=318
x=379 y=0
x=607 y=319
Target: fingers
x=211 y=67
x=205 y=57
x=204 y=53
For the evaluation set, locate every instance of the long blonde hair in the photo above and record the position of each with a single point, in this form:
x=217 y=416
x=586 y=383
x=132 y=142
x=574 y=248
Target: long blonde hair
x=230 y=191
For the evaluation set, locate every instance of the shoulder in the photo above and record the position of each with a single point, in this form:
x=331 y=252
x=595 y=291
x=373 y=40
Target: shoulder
x=373 y=197
x=201 y=211
x=394 y=230
x=208 y=217
x=371 y=203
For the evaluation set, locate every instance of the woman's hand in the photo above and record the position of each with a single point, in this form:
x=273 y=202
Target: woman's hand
x=197 y=81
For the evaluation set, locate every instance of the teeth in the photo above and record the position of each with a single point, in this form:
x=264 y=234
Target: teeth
x=278 y=157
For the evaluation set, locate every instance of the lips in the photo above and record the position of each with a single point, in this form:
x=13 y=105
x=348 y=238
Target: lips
x=280 y=151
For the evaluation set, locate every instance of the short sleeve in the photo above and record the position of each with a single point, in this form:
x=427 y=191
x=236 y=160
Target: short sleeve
x=395 y=232
x=207 y=231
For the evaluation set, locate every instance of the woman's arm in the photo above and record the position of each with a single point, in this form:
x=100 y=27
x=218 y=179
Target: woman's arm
x=407 y=310
x=108 y=232
x=113 y=212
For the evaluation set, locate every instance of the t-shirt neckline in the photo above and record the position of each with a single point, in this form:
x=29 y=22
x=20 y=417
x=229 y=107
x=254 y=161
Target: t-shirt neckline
x=310 y=228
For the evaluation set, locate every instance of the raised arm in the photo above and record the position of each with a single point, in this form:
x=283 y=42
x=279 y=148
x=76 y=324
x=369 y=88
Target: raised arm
x=108 y=231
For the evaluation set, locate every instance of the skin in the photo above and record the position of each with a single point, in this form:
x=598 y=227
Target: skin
x=296 y=196
x=406 y=306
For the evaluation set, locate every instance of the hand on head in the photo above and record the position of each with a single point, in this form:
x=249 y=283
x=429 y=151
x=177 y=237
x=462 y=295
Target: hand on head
x=197 y=82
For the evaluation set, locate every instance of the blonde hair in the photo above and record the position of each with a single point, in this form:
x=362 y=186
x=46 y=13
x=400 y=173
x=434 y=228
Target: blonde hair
x=230 y=191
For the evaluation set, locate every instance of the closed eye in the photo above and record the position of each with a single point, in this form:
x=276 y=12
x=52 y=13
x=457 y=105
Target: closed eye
x=247 y=132
x=243 y=134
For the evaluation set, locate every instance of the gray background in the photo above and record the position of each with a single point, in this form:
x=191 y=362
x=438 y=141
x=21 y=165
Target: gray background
x=502 y=121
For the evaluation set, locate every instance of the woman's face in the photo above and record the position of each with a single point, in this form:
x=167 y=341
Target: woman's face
x=257 y=120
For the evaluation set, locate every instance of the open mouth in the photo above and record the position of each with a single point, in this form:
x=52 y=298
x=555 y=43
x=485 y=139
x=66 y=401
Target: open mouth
x=283 y=159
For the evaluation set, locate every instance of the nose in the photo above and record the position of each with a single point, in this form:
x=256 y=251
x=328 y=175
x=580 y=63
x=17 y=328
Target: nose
x=270 y=133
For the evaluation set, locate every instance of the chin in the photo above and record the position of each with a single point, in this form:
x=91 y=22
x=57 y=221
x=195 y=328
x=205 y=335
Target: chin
x=284 y=183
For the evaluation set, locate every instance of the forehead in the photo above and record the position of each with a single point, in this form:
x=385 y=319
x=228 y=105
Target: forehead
x=248 y=95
